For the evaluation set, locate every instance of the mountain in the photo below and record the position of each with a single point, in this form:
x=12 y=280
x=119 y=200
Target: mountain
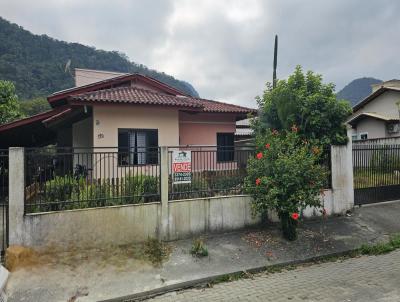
x=36 y=63
x=357 y=90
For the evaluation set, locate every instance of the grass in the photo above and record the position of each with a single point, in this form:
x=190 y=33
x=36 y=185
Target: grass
x=381 y=248
x=199 y=249
x=368 y=177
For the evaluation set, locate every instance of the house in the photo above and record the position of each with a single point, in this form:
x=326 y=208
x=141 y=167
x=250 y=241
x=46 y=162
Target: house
x=377 y=116
x=244 y=133
x=126 y=112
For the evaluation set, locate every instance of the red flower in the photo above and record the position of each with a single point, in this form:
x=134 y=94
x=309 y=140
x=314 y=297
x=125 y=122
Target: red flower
x=294 y=128
x=295 y=216
x=267 y=146
x=258 y=181
x=259 y=155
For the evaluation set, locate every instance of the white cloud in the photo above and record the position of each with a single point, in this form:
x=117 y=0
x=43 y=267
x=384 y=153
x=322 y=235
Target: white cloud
x=224 y=48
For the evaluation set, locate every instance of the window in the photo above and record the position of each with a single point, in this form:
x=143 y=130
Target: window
x=137 y=147
x=364 y=135
x=225 y=147
x=354 y=137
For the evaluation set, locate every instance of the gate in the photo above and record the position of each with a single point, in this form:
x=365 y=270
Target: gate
x=376 y=170
x=3 y=201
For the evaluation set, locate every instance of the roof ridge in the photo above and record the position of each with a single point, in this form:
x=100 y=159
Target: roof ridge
x=158 y=93
x=223 y=103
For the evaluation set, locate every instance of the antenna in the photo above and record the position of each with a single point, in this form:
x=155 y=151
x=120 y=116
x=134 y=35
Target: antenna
x=275 y=61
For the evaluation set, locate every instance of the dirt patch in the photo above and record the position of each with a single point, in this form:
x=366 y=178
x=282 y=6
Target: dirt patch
x=123 y=257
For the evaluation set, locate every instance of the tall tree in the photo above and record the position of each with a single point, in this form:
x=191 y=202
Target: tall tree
x=34 y=106
x=9 y=105
x=304 y=100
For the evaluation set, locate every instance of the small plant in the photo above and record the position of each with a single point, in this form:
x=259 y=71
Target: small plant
x=381 y=248
x=156 y=251
x=199 y=249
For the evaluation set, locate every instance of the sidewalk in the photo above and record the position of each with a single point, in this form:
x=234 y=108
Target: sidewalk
x=107 y=274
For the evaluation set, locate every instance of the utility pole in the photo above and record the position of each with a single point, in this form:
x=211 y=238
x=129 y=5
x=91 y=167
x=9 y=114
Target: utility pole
x=275 y=61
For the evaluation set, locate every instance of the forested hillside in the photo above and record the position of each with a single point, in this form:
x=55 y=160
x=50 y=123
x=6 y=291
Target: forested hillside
x=36 y=64
x=357 y=90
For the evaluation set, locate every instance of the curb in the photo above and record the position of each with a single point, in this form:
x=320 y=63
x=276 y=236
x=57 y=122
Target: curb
x=206 y=280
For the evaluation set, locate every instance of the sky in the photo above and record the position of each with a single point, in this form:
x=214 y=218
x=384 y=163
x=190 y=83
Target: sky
x=224 y=48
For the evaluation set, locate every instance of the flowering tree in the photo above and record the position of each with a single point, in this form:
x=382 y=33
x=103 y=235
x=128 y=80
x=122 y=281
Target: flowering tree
x=285 y=176
x=305 y=100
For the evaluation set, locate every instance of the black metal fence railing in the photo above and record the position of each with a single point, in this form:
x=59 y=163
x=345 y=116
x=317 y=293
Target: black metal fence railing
x=376 y=172
x=73 y=178
x=3 y=200
x=214 y=171
x=217 y=171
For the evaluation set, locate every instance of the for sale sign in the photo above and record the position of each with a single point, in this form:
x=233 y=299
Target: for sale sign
x=182 y=167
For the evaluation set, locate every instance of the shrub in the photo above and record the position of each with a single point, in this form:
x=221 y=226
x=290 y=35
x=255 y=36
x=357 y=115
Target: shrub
x=68 y=192
x=196 y=189
x=140 y=188
x=285 y=176
x=156 y=251
x=199 y=249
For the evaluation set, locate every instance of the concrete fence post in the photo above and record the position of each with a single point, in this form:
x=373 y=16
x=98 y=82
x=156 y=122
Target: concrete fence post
x=163 y=233
x=16 y=157
x=342 y=177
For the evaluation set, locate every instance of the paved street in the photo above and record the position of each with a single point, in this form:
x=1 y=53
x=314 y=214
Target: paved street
x=372 y=278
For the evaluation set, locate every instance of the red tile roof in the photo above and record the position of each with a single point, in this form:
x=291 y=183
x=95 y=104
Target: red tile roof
x=134 y=95
x=107 y=83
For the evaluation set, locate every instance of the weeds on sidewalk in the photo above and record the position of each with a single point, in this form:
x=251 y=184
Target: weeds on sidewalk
x=376 y=249
x=199 y=249
x=381 y=248
x=156 y=251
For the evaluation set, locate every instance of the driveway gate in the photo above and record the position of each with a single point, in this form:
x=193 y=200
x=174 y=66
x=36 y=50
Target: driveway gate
x=376 y=169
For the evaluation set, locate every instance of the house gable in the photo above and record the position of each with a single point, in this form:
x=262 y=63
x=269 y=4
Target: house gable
x=93 y=80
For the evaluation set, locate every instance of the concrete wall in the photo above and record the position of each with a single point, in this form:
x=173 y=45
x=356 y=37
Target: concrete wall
x=119 y=225
x=108 y=119
x=91 y=227
x=375 y=128
x=168 y=220
x=206 y=126
x=385 y=104
x=82 y=133
x=88 y=76
x=196 y=216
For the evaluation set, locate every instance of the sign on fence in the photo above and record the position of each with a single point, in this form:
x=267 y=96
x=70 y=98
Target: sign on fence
x=182 y=167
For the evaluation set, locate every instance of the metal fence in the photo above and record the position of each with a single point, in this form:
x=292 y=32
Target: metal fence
x=376 y=170
x=218 y=171
x=214 y=171
x=71 y=178
x=3 y=200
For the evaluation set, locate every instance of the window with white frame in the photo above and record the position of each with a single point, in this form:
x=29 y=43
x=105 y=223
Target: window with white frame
x=137 y=147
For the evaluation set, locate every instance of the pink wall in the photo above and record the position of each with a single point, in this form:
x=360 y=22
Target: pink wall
x=202 y=128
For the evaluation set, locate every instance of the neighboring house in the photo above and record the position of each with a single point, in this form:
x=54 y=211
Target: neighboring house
x=108 y=109
x=377 y=116
x=244 y=132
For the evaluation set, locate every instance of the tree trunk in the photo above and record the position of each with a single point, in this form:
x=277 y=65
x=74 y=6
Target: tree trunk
x=289 y=226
